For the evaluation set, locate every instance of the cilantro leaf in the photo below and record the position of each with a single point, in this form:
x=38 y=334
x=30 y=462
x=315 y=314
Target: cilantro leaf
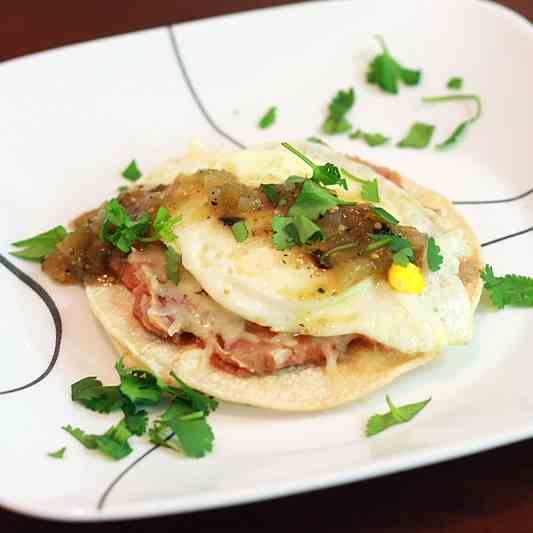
x=92 y=394
x=384 y=216
x=458 y=132
x=396 y=415
x=336 y=122
x=132 y=172
x=240 y=231
x=372 y=139
x=198 y=400
x=126 y=231
x=313 y=201
x=455 y=83
x=160 y=434
x=139 y=385
x=291 y=230
x=163 y=226
x=369 y=190
x=327 y=174
x=271 y=192
x=58 y=454
x=194 y=435
x=433 y=256
x=86 y=389
x=282 y=237
x=89 y=441
x=419 y=136
x=400 y=247
x=403 y=257
x=38 y=247
x=268 y=118
x=110 y=400
x=114 y=442
x=123 y=188
x=307 y=230
x=386 y=72
x=136 y=421
x=172 y=265
x=510 y=289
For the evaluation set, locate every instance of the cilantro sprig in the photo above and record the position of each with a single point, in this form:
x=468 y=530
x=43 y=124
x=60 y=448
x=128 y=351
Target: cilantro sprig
x=190 y=428
x=119 y=229
x=386 y=72
x=508 y=290
x=140 y=385
x=298 y=227
x=336 y=122
x=327 y=174
x=185 y=418
x=459 y=131
x=37 y=248
x=396 y=415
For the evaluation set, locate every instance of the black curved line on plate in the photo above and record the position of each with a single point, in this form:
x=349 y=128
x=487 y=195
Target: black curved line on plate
x=193 y=92
x=103 y=498
x=505 y=237
x=47 y=299
x=502 y=201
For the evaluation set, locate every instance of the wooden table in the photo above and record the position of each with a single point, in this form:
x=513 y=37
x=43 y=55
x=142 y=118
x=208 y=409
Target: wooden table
x=490 y=492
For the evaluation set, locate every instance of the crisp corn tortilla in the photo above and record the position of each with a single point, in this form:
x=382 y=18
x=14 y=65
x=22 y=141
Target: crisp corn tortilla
x=295 y=389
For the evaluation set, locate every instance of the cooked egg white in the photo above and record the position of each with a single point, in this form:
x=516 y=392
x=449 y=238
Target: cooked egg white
x=279 y=289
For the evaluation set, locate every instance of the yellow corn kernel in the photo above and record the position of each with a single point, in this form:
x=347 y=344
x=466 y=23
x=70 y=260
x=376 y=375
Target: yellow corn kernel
x=406 y=278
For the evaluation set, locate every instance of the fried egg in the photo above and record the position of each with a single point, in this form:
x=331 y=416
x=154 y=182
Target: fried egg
x=286 y=292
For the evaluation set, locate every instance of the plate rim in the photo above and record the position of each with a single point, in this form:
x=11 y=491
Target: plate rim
x=410 y=461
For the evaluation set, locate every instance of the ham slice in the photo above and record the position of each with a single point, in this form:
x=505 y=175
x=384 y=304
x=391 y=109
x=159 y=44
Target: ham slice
x=186 y=314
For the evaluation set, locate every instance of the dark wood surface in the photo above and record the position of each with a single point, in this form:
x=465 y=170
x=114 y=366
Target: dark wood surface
x=490 y=492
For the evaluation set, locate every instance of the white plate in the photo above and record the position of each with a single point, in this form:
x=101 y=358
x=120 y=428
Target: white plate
x=71 y=118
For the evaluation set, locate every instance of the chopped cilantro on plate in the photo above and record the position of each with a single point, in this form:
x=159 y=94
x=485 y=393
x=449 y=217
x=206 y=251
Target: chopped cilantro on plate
x=268 y=118
x=336 y=121
x=396 y=415
x=387 y=72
